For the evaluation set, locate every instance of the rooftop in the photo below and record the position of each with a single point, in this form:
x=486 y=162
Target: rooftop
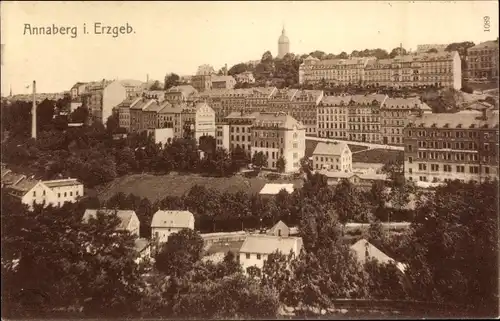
x=463 y=119
x=355 y=99
x=25 y=185
x=124 y=215
x=364 y=176
x=179 y=219
x=62 y=182
x=274 y=189
x=364 y=250
x=486 y=44
x=282 y=120
x=267 y=244
x=330 y=148
x=142 y=104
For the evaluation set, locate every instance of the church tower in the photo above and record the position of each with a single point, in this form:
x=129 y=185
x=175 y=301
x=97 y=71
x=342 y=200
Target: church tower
x=283 y=44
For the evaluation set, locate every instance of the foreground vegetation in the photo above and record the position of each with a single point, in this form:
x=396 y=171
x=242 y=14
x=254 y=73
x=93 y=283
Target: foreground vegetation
x=450 y=251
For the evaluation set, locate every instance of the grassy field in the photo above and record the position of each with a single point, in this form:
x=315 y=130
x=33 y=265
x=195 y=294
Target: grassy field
x=157 y=187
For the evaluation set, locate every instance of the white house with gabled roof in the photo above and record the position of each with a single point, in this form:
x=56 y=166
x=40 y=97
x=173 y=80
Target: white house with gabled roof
x=165 y=223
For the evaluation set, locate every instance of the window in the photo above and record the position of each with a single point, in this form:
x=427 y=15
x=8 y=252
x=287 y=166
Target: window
x=258 y=256
x=247 y=255
x=410 y=160
x=77 y=193
x=460 y=169
x=474 y=169
x=434 y=167
x=43 y=193
x=34 y=194
x=58 y=194
x=65 y=194
x=486 y=170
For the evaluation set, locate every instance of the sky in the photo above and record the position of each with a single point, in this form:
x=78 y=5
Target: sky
x=179 y=36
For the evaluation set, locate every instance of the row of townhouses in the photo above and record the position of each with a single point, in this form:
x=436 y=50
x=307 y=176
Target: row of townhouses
x=419 y=69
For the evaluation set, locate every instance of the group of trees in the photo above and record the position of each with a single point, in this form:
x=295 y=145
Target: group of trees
x=449 y=252
x=217 y=211
x=91 y=154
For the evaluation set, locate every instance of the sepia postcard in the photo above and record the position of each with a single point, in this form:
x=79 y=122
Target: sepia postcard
x=249 y=160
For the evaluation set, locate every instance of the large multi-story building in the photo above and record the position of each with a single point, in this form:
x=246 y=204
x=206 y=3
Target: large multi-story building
x=193 y=120
x=440 y=69
x=275 y=134
x=303 y=107
x=354 y=117
x=279 y=135
x=483 y=61
x=333 y=71
x=240 y=125
x=225 y=101
x=101 y=98
x=370 y=118
x=124 y=112
x=443 y=147
x=222 y=136
x=137 y=111
x=395 y=115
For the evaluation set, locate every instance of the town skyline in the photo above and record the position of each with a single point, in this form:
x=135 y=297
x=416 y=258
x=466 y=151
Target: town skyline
x=198 y=34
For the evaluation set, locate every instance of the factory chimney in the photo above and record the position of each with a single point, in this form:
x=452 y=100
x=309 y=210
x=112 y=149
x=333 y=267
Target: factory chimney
x=33 y=113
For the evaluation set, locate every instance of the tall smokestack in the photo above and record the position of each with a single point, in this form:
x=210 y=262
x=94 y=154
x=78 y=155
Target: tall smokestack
x=33 y=113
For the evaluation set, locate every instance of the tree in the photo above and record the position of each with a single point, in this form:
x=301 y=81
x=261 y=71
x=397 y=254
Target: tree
x=237 y=69
x=452 y=247
x=267 y=58
x=178 y=255
x=281 y=164
x=259 y=160
x=276 y=272
x=113 y=123
x=432 y=50
x=233 y=297
x=385 y=280
x=171 y=80
x=398 y=51
x=82 y=263
x=156 y=86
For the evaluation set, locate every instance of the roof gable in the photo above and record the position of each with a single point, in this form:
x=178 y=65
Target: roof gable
x=125 y=216
x=177 y=219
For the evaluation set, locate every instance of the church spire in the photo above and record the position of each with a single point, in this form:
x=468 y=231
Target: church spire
x=283 y=30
